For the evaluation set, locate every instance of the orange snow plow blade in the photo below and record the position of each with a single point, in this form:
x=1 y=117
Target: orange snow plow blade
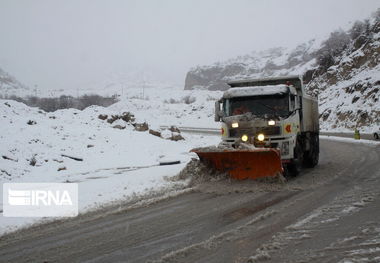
x=244 y=164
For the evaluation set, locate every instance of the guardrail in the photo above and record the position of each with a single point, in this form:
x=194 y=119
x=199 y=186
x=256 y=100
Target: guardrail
x=196 y=130
x=214 y=131
x=366 y=136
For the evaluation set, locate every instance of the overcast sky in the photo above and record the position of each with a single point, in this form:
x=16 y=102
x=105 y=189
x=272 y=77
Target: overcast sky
x=71 y=43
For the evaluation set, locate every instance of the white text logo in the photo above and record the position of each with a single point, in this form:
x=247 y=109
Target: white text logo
x=40 y=199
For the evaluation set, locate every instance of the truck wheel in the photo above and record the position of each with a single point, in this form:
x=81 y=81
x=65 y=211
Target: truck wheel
x=312 y=157
x=295 y=166
x=376 y=136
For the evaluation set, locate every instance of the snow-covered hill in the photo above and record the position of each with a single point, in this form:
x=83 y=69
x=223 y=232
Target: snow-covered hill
x=29 y=132
x=349 y=87
x=10 y=85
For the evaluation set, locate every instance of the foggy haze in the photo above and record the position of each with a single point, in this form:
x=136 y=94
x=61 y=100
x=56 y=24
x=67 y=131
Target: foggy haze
x=72 y=44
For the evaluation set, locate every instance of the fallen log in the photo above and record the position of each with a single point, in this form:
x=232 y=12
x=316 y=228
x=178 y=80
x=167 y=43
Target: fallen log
x=72 y=157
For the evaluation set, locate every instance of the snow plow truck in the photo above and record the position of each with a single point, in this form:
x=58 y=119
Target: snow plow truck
x=275 y=121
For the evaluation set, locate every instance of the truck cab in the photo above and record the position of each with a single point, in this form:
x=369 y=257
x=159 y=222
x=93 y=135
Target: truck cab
x=271 y=113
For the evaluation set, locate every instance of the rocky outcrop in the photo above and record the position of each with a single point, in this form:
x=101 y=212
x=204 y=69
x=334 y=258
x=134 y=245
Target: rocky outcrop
x=349 y=88
x=271 y=62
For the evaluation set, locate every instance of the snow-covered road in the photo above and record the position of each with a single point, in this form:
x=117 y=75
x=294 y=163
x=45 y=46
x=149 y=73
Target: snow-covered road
x=330 y=213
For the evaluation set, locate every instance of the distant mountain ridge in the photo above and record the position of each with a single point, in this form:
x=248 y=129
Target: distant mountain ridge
x=343 y=71
x=271 y=62
x=9 y=85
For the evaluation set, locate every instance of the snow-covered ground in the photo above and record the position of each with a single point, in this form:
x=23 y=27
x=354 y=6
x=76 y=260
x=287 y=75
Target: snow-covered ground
x=171 y=106
x=118 y=164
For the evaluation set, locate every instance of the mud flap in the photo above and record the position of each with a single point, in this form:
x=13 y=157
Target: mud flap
x=244 y=164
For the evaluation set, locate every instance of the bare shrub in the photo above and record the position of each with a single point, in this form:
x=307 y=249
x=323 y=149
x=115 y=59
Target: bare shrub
x=171 y=101
x=332 y=48
x=33 y=161
x=189 y=99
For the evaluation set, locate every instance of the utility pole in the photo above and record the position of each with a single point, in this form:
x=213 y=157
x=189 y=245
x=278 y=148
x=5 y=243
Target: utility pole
x=143 y=93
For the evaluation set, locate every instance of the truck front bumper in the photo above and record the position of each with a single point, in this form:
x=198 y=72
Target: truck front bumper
x=284 y=144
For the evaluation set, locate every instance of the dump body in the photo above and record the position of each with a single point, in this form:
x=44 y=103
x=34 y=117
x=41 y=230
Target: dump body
x=310 y=120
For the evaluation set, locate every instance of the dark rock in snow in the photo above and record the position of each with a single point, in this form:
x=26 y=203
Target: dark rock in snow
x=103 y=116
x=30 y=122
x=120 y=127
x=127 y=117
x=176 y=137
x=155 y=133
x=141 y=126
x=113 y=119
x=174 y=129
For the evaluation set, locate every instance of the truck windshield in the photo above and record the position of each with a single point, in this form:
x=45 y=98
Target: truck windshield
x=277 y=105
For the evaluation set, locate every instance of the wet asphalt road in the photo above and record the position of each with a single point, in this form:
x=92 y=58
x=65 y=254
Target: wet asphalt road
x=327 y=214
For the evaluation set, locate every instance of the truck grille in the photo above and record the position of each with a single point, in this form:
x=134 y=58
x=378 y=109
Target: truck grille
x=269 y=130
x=241 y=132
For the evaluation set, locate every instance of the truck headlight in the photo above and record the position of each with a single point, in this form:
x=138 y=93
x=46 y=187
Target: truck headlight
x=235 y=125
x=244 y=138
x=285 y=148
x=271 y=122
x=260 y=137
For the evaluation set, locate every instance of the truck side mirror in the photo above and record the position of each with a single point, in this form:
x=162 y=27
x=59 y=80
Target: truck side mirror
x=295 y=100
x=218 y=113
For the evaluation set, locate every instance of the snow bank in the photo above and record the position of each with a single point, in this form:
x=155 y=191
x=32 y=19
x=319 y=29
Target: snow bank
x=114 y=163
x=349 y=140
x=168 y=106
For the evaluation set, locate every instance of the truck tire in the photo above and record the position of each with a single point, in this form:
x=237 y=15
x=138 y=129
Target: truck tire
x=312 y=157
x=376 y=136
x=295 y=166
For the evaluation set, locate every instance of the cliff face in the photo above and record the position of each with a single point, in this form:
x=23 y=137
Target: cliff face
x=343 y=71
x=272 y=62
x=349 y=88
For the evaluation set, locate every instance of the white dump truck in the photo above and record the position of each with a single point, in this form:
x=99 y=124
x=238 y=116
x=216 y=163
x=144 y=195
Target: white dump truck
x=276 y=118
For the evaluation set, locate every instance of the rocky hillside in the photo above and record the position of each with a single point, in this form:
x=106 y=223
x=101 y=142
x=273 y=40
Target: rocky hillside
x=9 y=85
x=271 y=62
x=348 y=80
x=343 y=71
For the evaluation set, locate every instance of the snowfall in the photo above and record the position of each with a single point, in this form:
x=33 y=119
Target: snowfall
x=116 y=164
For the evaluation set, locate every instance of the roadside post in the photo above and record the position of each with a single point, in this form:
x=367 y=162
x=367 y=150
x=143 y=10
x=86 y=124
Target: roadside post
x=357 y=134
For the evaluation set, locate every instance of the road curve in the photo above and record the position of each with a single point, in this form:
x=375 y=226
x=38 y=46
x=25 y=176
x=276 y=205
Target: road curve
x=327 y=214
